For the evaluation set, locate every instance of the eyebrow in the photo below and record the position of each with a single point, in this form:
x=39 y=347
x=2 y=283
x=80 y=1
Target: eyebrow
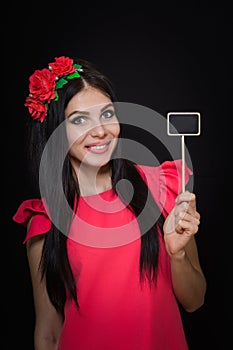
x=87 y=113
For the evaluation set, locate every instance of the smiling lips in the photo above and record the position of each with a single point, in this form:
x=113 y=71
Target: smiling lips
x=98 y=148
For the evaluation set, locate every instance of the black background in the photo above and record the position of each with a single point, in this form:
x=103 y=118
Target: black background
x=169 y=57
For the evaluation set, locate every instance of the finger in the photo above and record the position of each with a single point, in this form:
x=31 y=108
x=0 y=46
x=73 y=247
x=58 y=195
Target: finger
x=195 y=220
x=186 y=197
x=181 y=207
x=187 y=227
x=185 y=212
x=193 y=213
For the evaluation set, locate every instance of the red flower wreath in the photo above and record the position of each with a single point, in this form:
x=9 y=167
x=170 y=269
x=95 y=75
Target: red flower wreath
x=43 y=85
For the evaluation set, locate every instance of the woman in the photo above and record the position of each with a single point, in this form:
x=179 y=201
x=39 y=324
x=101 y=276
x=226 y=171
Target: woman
x=106 y=274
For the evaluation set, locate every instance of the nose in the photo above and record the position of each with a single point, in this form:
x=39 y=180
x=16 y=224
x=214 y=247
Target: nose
x=97 y=131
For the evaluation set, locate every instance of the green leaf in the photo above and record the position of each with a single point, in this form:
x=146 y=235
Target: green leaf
x=77 y=66
x=60 y=83
x=57 y=96
x=73 y=75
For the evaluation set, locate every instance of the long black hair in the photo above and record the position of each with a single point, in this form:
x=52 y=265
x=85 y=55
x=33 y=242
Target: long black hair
x=55 y=265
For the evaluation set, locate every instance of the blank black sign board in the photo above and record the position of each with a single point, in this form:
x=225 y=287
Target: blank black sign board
x=183 y=123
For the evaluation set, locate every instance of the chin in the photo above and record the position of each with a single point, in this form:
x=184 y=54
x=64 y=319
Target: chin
x=96 y=163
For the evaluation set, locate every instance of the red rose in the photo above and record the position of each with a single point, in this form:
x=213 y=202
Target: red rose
x=36 y=108
x=42 y=85
x=62 y=66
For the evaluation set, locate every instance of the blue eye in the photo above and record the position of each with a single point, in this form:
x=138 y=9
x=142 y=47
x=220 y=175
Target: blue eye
x=108 y=114
x=78 y=120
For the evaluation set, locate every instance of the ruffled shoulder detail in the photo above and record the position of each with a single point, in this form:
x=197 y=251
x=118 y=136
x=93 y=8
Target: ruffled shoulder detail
x=165 y=182
x=33 y=209
x=170 y=180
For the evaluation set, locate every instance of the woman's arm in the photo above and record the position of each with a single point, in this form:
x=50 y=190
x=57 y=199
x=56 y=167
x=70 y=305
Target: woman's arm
x=188 y=279
x=48 y=322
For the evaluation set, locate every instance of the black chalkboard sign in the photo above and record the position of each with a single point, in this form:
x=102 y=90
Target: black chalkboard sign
x=183 y=123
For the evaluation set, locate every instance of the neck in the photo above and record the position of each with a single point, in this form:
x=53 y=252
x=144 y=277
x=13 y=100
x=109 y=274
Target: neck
x=93 y=180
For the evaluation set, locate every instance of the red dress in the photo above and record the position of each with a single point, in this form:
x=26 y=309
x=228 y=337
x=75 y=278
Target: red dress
x=116 y=311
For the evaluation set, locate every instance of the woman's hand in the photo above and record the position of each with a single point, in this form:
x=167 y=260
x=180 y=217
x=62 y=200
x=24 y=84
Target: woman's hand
x=181 y=224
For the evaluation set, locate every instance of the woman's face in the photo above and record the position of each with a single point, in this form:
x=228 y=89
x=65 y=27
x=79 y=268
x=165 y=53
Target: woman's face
x=92 y=128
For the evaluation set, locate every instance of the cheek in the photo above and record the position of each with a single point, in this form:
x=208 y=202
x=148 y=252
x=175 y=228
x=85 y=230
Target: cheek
x=74 y=136
x=75 y=140
x=114 y=129
x=76 y=150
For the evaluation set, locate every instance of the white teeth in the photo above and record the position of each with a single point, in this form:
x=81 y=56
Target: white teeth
x=98 y=147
